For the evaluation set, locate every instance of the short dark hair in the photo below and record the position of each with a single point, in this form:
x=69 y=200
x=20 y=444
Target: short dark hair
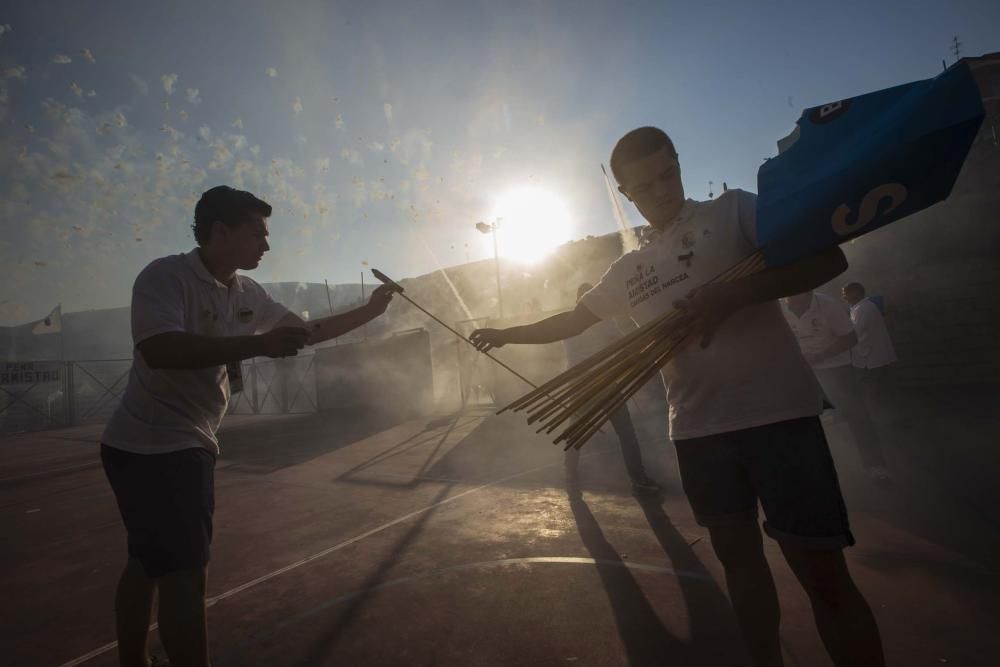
x=639 y=143
x=856 y=287
x=228 y=205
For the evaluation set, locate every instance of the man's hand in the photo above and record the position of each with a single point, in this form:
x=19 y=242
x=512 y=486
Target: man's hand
x=283 y=342
x=380 y=299
x=487 y=339
x=709 y=306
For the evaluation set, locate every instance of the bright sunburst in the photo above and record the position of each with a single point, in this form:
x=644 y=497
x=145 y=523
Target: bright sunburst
x=532 y=223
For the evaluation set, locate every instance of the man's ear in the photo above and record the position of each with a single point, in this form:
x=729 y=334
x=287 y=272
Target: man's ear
x=219 y=230
x=622 y=190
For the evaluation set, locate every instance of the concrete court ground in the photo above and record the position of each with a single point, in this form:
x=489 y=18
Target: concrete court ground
x=452 y=541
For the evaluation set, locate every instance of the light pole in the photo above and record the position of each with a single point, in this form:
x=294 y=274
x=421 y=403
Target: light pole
x=486 y=228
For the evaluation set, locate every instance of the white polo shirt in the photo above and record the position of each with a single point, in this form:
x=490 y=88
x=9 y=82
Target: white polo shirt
x=823 y=322
x=752 y=373
x=165 y=410
x=874 y=348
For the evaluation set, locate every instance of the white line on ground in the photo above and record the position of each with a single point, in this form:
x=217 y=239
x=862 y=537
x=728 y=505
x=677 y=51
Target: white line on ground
x=337 y=547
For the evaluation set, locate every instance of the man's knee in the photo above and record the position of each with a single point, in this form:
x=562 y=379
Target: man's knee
x=184 y=583
x=737 y=545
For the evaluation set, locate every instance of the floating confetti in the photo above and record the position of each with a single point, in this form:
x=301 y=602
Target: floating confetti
x=168 y=83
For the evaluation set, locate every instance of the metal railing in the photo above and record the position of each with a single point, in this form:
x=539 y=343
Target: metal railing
x=42 y=395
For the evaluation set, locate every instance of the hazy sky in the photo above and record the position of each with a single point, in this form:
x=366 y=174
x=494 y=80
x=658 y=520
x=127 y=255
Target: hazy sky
x=382 y=131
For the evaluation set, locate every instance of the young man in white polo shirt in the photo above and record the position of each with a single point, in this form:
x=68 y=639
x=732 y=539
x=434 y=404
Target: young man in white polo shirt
x=826 y=336
x=743 y=404
x=194 y=318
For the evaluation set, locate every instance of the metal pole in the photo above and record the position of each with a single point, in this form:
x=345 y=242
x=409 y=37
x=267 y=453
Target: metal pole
x=398 y=289
x=330 y=302
x=496 y=261
x=364 y=327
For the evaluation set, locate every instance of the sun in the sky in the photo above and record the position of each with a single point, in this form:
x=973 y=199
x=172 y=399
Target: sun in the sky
x=530 y=224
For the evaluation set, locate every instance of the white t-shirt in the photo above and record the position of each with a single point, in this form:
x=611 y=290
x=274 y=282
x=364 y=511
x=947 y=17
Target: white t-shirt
x=752 y=373
x=591 y=341
x=824 y=321
x=874 y=348
x=165 y=410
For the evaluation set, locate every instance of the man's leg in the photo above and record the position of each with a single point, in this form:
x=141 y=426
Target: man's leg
x=843 y=617
x=847 y=395
x=183 y=626
x=621 y=421
x=717 y=486
x=740 y=549
x=797 y=483
x=133 y=608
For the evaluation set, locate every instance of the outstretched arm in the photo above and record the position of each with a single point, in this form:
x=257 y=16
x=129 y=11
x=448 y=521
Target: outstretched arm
x=712 y=304
x=558 y=327
x=333 y=326
x=179 y=349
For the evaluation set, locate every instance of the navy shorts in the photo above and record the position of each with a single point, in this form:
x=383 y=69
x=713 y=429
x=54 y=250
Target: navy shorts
x=786 y=466
x=167 y=502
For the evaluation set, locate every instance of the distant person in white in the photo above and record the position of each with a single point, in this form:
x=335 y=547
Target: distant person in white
x=579 y=348
x=874 y=352
x=194 y=318
x=874 y=349
x=826 y=337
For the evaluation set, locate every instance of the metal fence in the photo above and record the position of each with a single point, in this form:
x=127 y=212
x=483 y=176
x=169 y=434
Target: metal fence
x=277 y=386
x=41 y=395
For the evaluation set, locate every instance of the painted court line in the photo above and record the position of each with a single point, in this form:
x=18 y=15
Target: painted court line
x=504 y=562
x=210 y=602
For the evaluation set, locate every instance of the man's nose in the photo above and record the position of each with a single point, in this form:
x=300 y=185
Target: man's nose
x=661 y=187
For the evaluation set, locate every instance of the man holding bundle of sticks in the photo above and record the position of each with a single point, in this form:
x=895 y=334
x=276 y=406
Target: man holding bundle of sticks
x=743 y=403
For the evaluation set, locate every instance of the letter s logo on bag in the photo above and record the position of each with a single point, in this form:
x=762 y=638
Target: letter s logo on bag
x=869 y=208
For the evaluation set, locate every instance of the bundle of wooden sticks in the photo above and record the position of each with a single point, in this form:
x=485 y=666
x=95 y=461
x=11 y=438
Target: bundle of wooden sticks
x=587 y=394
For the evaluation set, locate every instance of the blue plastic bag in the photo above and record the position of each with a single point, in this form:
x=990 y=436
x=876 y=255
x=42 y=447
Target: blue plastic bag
x=861 y=163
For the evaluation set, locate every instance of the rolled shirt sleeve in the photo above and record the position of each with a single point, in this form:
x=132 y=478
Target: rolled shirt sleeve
x=157 y=303
x=270 y=310
x=607 y=299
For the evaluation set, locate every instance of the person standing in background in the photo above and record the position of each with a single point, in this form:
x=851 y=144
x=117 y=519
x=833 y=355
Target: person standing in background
x=578 y=348
x=874 y=351
x=826 y=337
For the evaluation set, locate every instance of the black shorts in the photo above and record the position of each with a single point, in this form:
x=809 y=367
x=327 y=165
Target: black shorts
x=167 y=502
x=786 y=466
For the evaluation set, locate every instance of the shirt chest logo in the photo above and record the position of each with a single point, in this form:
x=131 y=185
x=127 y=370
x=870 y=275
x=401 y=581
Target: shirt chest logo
x=645 y=283
x=244 y=315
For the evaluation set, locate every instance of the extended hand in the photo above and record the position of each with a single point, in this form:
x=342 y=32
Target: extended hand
x=487 y=339
x=708 y=307
x=283 y=342
x=380 y=298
